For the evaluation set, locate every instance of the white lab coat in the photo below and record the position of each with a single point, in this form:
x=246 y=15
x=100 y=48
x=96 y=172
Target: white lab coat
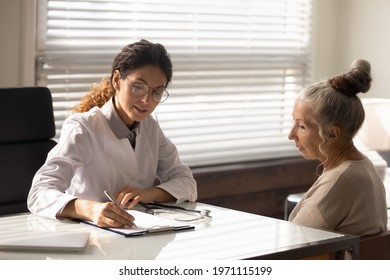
x=89 y=158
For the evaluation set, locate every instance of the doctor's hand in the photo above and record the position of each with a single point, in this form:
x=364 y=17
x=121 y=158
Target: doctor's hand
x=105 y=214
x=110 y=215
x=136 y=195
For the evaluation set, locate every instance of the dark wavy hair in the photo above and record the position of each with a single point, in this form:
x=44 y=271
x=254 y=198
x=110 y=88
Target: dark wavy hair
x=132 y=56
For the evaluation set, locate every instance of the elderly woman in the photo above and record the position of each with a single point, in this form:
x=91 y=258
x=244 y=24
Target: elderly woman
x=349 y=195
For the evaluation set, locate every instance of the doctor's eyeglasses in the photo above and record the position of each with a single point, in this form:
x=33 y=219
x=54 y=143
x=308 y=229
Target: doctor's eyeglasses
x=139 y=90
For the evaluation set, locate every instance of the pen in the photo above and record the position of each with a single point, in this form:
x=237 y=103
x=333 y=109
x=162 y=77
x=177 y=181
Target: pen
x=112 y=199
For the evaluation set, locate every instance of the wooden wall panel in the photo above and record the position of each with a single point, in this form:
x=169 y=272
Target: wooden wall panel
x=255 y=187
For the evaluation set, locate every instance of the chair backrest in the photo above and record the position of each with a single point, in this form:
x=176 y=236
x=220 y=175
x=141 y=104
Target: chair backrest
x=26 y=131
x=375 y=247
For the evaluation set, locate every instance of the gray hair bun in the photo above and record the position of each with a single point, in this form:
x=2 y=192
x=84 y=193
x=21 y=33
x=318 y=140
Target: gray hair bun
x=358 y=79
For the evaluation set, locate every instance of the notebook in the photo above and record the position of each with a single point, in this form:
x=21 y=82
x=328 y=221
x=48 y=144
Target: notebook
x=43 y=240
x=147 y=224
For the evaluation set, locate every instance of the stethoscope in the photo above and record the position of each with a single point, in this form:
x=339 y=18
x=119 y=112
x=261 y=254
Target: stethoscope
x=155 y=208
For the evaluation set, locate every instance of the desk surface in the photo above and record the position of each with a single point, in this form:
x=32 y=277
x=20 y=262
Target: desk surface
x=229 y=234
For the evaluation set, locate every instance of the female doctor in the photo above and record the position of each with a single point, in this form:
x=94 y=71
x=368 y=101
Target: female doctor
x=113 y=143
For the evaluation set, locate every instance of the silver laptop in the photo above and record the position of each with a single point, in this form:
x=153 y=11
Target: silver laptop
x=43 y=240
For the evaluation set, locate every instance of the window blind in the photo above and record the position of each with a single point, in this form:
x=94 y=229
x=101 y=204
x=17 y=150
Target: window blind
x=238 y=64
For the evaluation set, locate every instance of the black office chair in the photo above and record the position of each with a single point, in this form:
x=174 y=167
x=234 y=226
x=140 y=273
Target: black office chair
x=26 y=131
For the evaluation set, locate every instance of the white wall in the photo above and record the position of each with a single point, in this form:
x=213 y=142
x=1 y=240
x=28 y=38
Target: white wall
x=10 y=11
x=368 y=36
x=344 y=30
x=350 y=29
x=325 y=35
x=17 y=42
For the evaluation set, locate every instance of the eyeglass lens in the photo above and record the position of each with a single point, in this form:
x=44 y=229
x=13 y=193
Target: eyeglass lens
x=159 y=94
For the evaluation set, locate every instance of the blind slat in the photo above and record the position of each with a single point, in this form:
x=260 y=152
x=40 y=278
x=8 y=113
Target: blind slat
x=238 y=65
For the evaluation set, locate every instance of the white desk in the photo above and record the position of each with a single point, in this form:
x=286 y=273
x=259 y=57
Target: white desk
x=229 y=235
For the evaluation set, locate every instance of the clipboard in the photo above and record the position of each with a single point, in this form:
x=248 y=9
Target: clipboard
x=146 y=224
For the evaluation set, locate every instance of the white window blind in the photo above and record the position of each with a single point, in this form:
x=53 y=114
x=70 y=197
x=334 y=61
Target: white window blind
x=238 y=65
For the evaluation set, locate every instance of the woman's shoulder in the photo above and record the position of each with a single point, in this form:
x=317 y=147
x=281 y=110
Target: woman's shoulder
x=85 y=122
x=357 y=174
x=346 y=174
x=85 y=118
x=358 y=167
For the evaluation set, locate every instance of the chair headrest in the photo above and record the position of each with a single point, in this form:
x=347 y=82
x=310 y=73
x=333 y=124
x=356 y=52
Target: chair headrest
x=26 y=114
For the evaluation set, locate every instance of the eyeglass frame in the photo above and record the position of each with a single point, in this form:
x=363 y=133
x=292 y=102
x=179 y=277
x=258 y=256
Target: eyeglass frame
x=154 y=93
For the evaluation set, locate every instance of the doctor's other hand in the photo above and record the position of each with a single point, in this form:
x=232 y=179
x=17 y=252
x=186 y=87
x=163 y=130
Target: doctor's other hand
x=135 y=195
